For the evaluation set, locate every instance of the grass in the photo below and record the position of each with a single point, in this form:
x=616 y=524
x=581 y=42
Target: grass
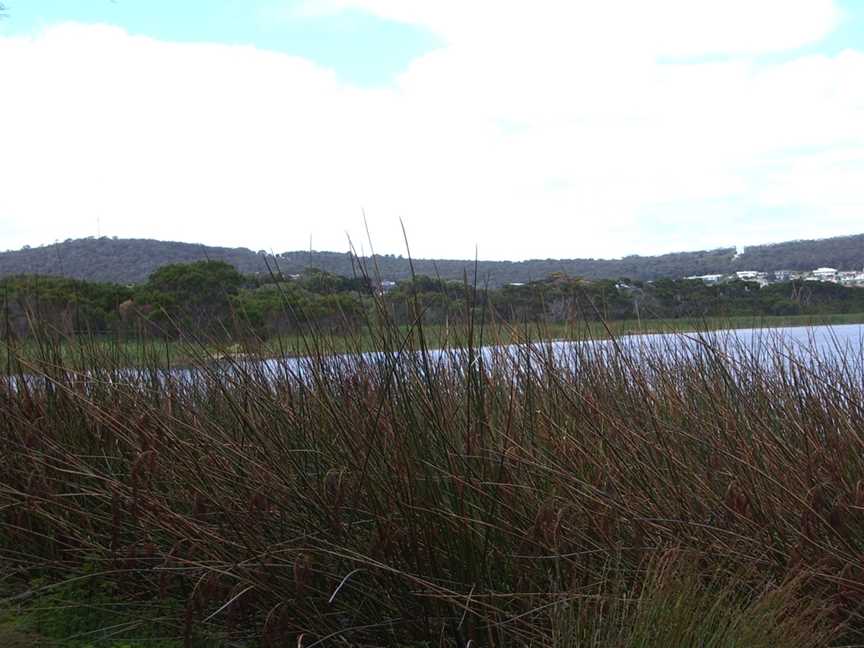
x=12 y=636
x=523 y=498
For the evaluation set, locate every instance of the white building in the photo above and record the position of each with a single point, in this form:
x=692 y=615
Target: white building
x=825 y=274
x=708 y=279
x=852 y=278
x=748 y=275
x=752 y=275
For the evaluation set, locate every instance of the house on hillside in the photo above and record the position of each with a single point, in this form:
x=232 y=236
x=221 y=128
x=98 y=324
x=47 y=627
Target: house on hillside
x=851 y=278
x=747 y=275
x=753 y=275
x=708 y=278
x=825 y=274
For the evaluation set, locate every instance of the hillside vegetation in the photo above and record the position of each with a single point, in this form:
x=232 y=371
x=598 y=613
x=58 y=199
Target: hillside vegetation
x=128 y=261
x=214 y=298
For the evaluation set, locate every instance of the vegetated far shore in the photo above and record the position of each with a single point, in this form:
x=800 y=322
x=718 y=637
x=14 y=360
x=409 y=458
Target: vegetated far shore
x=178 y=353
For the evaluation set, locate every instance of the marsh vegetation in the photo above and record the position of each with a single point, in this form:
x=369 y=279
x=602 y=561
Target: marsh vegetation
x=512 y=497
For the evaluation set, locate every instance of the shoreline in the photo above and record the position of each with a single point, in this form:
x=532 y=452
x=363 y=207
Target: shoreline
x=173 y=354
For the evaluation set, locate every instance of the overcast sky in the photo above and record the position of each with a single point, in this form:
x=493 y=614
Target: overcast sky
x=530 y=129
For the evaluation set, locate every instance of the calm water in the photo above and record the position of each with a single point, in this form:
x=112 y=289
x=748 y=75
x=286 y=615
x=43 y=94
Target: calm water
x=829 y=343
x=841 y=345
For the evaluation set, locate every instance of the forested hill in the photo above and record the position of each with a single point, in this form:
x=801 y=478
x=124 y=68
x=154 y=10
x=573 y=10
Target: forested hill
x=842 y=253
x=121 y=261
x=132 y=260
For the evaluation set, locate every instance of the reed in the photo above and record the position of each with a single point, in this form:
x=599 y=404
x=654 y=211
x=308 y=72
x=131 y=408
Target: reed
x=594 y=494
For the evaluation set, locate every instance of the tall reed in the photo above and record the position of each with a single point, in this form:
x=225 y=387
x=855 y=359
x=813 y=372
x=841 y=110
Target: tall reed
x=674 y=492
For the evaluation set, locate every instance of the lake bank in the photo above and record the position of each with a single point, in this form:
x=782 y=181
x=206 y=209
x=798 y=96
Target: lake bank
x=76 y=352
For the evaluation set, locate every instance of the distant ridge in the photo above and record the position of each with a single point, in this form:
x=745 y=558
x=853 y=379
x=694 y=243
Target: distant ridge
x=132 y=260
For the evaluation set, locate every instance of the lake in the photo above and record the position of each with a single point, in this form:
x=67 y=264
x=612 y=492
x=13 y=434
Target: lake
x=841 y=345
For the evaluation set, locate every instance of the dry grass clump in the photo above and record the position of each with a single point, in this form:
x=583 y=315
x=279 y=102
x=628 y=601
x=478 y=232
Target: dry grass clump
x=537 y=495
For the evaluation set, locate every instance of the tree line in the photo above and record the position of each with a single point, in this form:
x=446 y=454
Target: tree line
x=213 y=298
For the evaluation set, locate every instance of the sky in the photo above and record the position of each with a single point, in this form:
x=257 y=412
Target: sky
x=506 y=129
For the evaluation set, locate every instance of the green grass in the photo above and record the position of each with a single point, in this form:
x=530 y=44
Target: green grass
x=84 y=612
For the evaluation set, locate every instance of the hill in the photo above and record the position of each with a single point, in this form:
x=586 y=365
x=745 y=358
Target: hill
x=129 y=261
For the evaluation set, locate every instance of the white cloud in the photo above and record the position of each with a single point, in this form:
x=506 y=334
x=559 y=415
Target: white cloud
x=672 y=27
x=546 y=132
